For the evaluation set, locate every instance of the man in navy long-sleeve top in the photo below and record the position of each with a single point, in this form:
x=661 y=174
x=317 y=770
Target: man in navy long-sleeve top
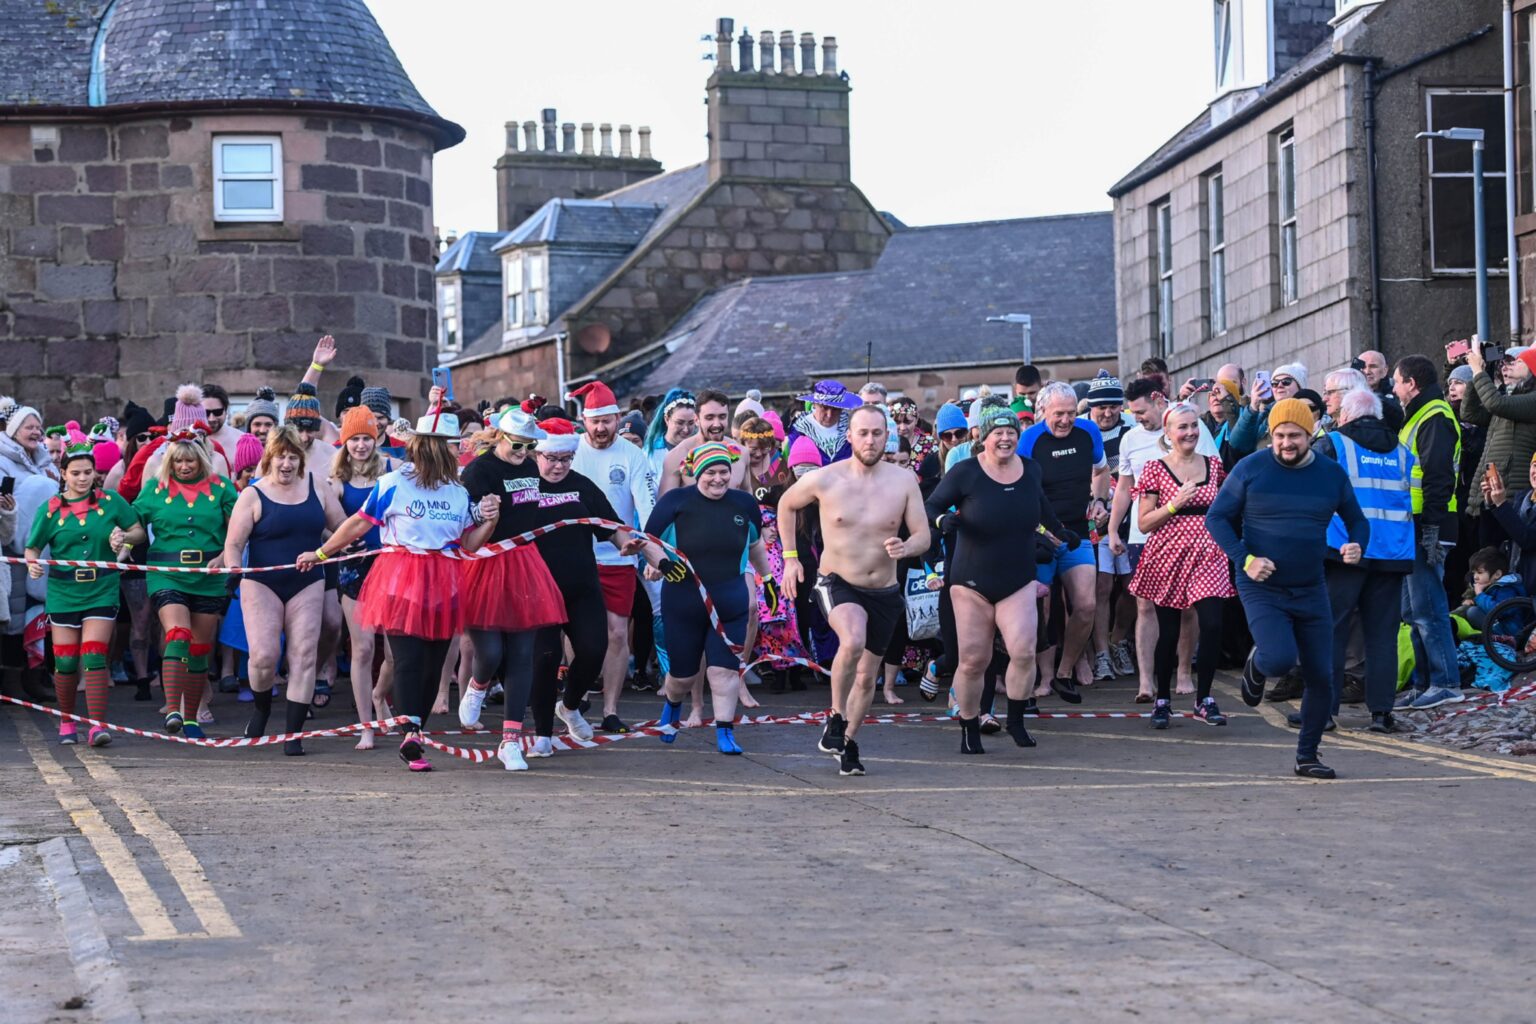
x=1271 y=518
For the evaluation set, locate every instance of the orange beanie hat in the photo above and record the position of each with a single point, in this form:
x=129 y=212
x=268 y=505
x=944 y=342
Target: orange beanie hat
x=358 y=420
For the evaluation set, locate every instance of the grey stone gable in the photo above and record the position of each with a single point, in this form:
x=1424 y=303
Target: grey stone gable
x=584 y=222
x=45 y=51
x=471 y=253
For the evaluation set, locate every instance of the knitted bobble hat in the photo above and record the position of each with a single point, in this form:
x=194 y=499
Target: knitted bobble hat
x=303 y=405
x=188 y=411
x=358 y=420
x=351 y=396
x=378 y=399
x=949 y=418
x=265 y=404
x=1292 y=410
x=247 y=453
x=804 y=453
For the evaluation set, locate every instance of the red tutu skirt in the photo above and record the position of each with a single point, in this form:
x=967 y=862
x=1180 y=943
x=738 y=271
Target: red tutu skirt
x=511 y=592
x=413 y=595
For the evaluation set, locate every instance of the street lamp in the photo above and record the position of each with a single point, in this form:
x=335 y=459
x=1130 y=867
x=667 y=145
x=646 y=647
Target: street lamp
x=1022 y=319
x=1479 y=217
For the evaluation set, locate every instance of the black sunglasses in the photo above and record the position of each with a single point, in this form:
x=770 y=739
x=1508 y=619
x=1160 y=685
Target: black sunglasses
x=953 y=435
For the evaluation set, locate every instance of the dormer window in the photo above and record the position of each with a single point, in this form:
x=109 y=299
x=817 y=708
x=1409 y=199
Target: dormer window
x=1243 y=56
x=448 y=332
x=525 y=276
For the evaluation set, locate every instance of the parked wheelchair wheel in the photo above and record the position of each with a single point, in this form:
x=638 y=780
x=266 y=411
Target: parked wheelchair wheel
x=1520 y=609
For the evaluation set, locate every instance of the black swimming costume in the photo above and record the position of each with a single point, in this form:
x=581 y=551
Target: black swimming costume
x=883 y=607
x=282 y=534
x=993 y=550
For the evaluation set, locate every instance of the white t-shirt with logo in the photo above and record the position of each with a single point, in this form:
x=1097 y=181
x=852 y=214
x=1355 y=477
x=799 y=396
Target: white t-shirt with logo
x=626 y=477
x=409 y=514
x=1138 y=445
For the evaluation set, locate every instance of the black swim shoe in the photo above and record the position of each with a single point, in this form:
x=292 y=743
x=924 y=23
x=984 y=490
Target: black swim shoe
x=970 y=736
x=1253 y=682
x=611 y=723
x=1161 y=715
x=848 y=760
x=832 y=736
x=1017 y=709
x=1066 y=689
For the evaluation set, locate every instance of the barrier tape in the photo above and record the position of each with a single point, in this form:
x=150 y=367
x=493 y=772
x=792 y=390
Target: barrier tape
x=1490 y=700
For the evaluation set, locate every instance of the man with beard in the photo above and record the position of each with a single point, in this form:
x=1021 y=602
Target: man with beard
x=624 y=474
x=826 y=423
x=1271 y=517
x=864 y=501
x=714 y=412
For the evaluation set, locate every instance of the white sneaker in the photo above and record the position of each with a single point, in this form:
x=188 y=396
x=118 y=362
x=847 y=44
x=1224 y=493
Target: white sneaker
x=511 y=755
x=575 y=724
x=470 y=704
x=542 y=747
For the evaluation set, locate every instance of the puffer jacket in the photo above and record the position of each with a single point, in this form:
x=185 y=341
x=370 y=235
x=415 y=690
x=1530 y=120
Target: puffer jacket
x=1510 y=420
x=14 y=460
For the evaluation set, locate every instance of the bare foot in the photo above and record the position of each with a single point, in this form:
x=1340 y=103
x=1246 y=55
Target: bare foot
x=441 y=707
x=891 y=698
x=747 y=700
x=365 y=740
x=1185 y=686
x=695 y=719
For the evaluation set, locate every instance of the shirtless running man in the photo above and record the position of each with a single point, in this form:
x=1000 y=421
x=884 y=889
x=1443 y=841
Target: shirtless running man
x=864 y=502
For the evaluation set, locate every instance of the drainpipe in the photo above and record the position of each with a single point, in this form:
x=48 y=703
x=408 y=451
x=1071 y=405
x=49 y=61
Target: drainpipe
x=560 y=369
x=1372 y=220
x=1513 y=280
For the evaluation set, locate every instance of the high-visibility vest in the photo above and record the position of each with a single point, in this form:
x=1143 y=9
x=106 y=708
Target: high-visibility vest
x=1409 y=436
x=1383 y=486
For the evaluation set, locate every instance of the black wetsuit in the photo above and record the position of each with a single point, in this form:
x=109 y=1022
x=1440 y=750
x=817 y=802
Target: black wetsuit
x=993 y=552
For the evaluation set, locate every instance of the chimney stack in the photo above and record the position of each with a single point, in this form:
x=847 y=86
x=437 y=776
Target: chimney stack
x=786 y=52
x=586 y=138
x=645 y=142
x=605 y=132
x=807 y=53
x=548 y=117
x=568 y=137
x=829 y=55
x=530 y=136
x=512 y=127
x=765 y=51
x=724 y=29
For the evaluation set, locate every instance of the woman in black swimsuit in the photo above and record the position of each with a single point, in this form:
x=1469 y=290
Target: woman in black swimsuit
x=281 y=516
x=993 y=505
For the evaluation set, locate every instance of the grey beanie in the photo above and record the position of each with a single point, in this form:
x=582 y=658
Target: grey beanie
x=980 y=407
x=1462 y=373
x=378 y=400
x=264 y=404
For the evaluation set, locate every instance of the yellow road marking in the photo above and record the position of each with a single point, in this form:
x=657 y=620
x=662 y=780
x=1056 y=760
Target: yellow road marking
x=148 y=912
x=172 y=850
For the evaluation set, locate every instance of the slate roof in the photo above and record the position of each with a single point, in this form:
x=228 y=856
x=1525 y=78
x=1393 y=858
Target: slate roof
x=471 y=253
x=298 y=52
x=924 y=304
x=599 y=222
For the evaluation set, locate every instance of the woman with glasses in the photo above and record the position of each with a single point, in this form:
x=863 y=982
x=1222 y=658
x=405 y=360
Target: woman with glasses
x=1252 y=429
x=511 y=596
x=950 y=431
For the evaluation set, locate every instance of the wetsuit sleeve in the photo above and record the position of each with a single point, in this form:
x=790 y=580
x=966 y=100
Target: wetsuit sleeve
x=947 y=495
x=1098 y=441
x=1227 y=511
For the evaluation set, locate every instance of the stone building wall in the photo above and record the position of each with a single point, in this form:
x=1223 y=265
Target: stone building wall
x=116 y=283
x=538 y=167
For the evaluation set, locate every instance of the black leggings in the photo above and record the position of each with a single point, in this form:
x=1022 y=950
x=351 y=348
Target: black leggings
x=1165 y=658
x=642 y=631
x=418 y=666
x=587 y=629
x=507 y=657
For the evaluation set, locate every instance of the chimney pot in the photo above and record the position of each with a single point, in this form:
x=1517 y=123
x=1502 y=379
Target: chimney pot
x=807 y=53
x=605 y=132
x=550 y=129
x=625 y=152
x=586 y=138
x=829 y=55
x=568 y=137
x=530 y=136
x=744 y=52
x=512 y=127
x=725 y=28
x=645 y=142
x=786 y=52
x=765 y=51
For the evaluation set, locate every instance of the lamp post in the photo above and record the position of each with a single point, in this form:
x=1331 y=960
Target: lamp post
x=1479 y=215
x=1022 y=319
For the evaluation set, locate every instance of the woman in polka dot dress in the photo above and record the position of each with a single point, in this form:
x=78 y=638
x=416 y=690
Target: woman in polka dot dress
x=1182 y=567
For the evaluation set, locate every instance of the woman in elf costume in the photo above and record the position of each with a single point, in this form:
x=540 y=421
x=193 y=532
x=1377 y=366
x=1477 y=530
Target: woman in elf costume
x=82 y=523
x=187 y=513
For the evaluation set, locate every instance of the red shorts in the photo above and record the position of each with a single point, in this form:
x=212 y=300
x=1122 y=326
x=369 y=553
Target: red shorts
x=618 y=583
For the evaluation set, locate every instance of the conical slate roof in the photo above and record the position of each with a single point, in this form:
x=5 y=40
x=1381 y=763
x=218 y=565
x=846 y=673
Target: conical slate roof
x=145 y=53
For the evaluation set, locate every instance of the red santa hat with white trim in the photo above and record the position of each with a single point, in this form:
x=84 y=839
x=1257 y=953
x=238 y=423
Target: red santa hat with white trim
x=596 y=399
x=559 y=436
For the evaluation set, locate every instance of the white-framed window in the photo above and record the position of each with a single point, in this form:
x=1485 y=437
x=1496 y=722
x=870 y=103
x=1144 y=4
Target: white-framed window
x=538 y=310
x=512 y=277
x=1244 y=57
x=1216 y=254
x=448 y=334
x=248 y=178
x=1162 y=265
x=1451 y=202
x=1285 y=209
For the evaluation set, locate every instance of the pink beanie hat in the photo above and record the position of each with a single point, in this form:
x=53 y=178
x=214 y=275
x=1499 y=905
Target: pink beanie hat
x=776 y=423
x=247 y=453
x=107 y=454
x=189 y=408
x=804 y=453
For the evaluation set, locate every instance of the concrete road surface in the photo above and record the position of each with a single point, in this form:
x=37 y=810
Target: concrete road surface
x=1111 y=873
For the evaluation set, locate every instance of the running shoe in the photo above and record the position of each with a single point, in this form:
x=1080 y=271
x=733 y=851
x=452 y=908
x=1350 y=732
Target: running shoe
x=1315 y=769
x=1161 y=715
x=542 y=747
x=725 y=740
x=191 y=730
x=611 y=723
x=1123 y=659
x=848 y=760
x=173 y=723
x=1405 y=698
x=832 y=737
x=1103 y=670
x=510 y=754
x=1066 y=688
x=68 y=734
x=1289 y=687
x=670 y=713
x=99 y=737
x=1206 y=711
x=990 y=725
x=470 y=703
x=1293 y=719
x=575 y=724
x=1382 y=721
x=1436 y=696
x=1253 y=682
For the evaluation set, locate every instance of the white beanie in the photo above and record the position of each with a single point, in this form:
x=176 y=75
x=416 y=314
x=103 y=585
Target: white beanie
x=18 y=417
x=1297 y=370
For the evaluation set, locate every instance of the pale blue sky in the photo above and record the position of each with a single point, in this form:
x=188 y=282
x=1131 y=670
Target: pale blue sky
x=961 y=110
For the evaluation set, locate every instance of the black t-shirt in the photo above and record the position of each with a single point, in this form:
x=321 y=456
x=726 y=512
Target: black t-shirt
x=714 y=533
x=528 y=501
x=1066 y=469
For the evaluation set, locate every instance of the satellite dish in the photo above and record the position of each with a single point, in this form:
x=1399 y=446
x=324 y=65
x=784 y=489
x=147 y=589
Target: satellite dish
x=594 y=339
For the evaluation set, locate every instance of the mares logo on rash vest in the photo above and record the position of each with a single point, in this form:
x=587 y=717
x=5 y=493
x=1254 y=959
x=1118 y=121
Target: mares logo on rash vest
x=1062 y=452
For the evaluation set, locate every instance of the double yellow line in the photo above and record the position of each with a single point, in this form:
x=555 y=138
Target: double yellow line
x=144 y=904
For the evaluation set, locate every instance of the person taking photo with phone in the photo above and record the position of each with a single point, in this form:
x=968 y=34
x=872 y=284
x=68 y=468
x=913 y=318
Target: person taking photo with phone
x=1508 y=415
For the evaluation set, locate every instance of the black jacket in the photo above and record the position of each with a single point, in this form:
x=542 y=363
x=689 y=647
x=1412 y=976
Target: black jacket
x=1391 y=408
x=1436 y=446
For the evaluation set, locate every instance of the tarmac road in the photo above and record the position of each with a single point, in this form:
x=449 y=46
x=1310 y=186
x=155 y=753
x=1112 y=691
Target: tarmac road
x=1111 y=873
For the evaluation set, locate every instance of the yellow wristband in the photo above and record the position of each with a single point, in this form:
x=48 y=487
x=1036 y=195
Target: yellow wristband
x=1170 y=508
x=317 y=367
x=1248 y=561
x=791 y=553
x=320 y=555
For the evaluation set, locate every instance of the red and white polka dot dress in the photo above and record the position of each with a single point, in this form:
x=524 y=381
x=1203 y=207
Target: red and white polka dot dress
x=1182 y=562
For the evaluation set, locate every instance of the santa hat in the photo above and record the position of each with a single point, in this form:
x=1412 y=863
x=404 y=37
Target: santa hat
x=596 y=399
x=188 y=410
x=560 y=436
